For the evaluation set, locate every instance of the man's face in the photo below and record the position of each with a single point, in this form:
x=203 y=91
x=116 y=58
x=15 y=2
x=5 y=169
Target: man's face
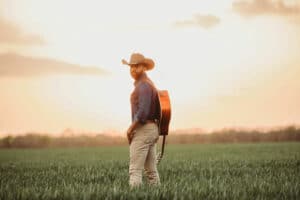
x=137 y=70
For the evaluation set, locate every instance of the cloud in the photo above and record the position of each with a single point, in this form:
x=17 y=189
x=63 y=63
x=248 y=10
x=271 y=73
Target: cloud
x=204 y=21
x=23 y=66
x=11 y=34
x=265 y=7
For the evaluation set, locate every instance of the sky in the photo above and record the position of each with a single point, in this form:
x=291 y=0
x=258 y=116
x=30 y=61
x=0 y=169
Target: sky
x=229 y=63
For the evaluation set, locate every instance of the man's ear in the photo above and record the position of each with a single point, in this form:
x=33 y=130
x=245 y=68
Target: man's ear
x=144 y=68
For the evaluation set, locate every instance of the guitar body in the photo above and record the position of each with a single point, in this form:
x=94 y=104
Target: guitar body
x=165 y=112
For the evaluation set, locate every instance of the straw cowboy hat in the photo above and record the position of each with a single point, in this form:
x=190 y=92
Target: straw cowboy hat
x=137 y=58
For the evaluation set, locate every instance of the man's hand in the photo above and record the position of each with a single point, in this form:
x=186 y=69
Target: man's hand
x=131 y=131
x=130 y=135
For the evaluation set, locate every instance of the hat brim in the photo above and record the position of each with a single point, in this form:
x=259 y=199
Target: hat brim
x=149 y=63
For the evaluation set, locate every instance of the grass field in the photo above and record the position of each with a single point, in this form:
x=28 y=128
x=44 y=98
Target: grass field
x=212 y=171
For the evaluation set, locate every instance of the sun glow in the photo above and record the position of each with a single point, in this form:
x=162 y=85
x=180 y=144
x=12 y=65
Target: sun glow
x=90 y=101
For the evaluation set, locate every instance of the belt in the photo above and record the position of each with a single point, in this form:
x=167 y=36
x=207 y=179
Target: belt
x=151 y=121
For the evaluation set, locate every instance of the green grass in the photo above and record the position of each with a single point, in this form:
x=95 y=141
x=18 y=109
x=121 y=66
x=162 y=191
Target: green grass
x=212 y=171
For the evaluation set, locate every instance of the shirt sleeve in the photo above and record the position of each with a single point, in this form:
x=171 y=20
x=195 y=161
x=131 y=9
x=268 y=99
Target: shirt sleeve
x=144 y=103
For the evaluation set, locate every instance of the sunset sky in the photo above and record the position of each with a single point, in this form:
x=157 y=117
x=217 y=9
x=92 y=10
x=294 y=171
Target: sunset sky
x=229 y=63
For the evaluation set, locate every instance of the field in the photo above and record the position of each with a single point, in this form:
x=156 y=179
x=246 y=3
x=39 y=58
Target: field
x=210 y=171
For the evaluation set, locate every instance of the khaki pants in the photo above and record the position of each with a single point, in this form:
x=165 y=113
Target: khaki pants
x=143 y=155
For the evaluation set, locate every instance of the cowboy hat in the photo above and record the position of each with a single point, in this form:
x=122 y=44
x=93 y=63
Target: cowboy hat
x=137 y=58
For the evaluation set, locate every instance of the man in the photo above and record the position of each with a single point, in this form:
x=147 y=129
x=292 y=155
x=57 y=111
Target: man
x=143 y=133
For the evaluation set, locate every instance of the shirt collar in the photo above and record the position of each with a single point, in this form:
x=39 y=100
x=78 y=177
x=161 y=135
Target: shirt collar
x=142 y=77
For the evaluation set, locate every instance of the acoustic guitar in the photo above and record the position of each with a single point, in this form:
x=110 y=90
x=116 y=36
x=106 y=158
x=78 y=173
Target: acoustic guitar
x=165 y=111
x=165 y=117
